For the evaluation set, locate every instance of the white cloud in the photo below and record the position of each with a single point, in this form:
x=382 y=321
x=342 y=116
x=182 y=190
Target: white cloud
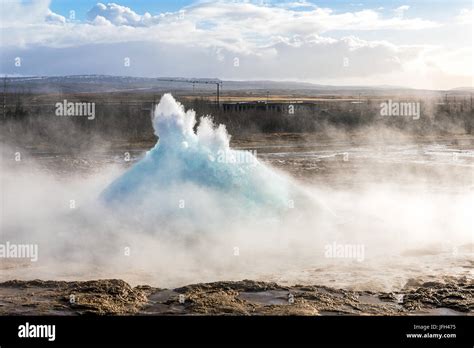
x=121 y=15
x=240 y=26
x=19 y=13
x=466 y=16
x=99 y=21
x=400 y=11
x=277 y=20
x=292 y=40
x=54 y=18
x=297 y=4
x=310 y=58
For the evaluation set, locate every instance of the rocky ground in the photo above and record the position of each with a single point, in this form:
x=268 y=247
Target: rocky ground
x=115 y=297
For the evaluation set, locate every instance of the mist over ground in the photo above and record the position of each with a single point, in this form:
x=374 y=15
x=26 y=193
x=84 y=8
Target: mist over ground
x=363 y=211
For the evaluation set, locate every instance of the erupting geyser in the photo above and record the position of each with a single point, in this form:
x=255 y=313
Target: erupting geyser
x=196 y=171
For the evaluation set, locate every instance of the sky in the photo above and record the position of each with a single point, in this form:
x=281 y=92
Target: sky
x=418 y=44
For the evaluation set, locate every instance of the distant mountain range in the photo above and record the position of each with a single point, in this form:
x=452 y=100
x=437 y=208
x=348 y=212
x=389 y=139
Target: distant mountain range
x=109 y=84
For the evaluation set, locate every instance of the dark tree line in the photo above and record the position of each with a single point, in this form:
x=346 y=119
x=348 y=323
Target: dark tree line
x=28 y=120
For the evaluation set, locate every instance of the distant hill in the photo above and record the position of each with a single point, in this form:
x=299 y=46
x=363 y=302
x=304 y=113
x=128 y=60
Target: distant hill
x=463 y=89
x=110 y=84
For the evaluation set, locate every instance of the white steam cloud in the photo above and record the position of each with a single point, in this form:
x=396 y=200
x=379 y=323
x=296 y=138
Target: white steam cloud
x=180 y=216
